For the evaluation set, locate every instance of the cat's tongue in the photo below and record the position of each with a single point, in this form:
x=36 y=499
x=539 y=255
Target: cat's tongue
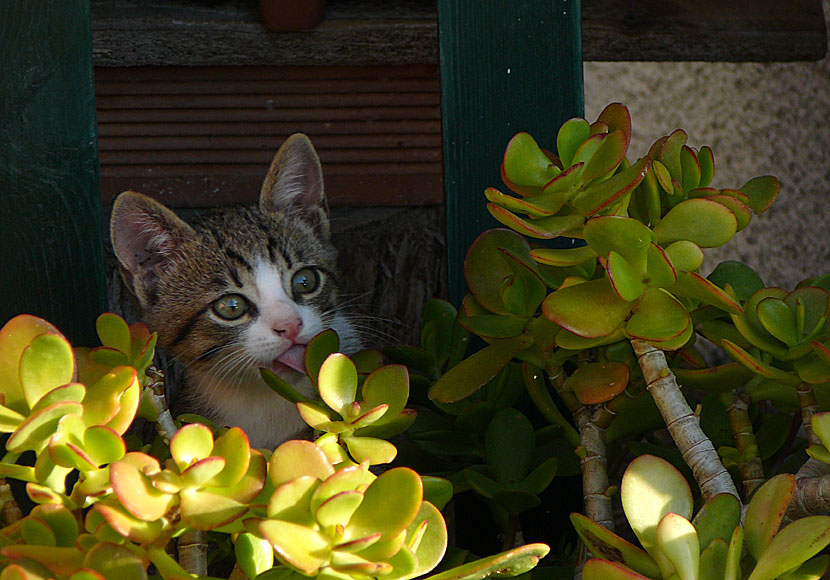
x=294 y=358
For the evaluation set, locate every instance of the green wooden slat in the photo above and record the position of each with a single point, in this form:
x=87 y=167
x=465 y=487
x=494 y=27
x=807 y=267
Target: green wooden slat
x=506 y=66
x=51 y=217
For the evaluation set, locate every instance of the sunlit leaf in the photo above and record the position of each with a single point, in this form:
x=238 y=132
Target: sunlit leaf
x=678 y=541
x=651 y=488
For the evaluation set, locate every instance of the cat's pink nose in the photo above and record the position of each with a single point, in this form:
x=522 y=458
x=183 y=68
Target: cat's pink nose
x=289 y=329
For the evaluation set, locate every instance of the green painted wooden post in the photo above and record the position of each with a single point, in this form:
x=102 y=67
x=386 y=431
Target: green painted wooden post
x=51 y=218
x=506 y=66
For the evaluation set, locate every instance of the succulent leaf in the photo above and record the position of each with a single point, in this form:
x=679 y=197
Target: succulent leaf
x=678 y=541
x=596 y=383
x=705 y=222
x=589 y=310
x=651 y=488
x=572 y=133
x=765 y=512
x=792 y=546
x=525 y=164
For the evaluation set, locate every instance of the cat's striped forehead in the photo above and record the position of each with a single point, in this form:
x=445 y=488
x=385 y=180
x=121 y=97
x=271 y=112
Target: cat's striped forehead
x=246 y=236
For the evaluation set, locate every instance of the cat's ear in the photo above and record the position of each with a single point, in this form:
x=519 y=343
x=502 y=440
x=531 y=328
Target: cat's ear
x=145 y=235
x=294 y=183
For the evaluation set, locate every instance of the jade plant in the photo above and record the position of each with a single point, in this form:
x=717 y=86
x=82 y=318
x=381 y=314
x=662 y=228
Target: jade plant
x=713 y=544
x=306 y=509
x=604 y=336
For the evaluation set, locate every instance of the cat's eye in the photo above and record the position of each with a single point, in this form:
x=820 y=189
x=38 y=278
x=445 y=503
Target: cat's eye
x=305 y=281
x=231 y=307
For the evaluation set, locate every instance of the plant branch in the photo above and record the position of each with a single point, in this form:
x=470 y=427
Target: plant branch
x=683 y=425
x=193 y=547
x=812 y=490
x=11 y=509
x=593 y=463
x=809 y=407
x=751 y=467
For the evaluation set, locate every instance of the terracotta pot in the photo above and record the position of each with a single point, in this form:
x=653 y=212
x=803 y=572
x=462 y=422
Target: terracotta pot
x=286 y=15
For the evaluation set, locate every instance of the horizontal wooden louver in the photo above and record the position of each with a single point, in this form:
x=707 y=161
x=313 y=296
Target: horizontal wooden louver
x=201 y=136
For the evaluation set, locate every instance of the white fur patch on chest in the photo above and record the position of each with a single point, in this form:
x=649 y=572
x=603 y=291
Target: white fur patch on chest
x=266 y=418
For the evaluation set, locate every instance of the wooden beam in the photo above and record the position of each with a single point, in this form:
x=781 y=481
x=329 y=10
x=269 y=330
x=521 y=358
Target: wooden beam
x=704 y=30
x=505 y=67
x=362 y=32
x=51 y=224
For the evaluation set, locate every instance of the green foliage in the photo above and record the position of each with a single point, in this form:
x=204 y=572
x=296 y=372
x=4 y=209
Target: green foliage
x=307 y=509
x=657 y=504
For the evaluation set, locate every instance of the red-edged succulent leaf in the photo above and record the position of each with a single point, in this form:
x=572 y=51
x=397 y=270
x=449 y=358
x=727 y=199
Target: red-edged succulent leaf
x=662 y=175
x=590 y=310
x=297 y=458
x=792 y=547
x=596 y=383
x=661 y=272
x=693 y=285
x=762 y=192
x=765 y=512
x=777 y=319
x=571 y=135
x=705 y=222
x=707 y=165
x=626 y=236
x=661 y=319
x=518 y=205
x=525 y=164
x=599 y=195
x=609 y=546
x=389 y=505
x=544 y=228
x=822 y=350
x=46 y=363
x=617 y=118
x=768 y=372
x=691 y=168
x=486 y=267
x=740 y=209
x=561 y=185
x=607 y=157
x=685 y=255
x=670 y=151
x=626 y=280
x=15 y=336
x=134 y=489
x=563 y=257
x=719 y=378
x=475 y=371
x=751 y=328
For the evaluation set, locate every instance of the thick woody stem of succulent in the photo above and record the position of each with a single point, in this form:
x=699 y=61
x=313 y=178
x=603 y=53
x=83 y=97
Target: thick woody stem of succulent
x=11 y=512
x=737 y=411
x=164 y=424
x=812 y=490
x=193 y=552
x=593 y=462
x=809 y=407
x=683 y=425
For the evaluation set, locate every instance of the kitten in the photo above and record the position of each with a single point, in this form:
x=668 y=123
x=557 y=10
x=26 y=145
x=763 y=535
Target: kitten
x=240 y=288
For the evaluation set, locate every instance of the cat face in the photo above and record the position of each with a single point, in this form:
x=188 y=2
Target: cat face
x=240 y=288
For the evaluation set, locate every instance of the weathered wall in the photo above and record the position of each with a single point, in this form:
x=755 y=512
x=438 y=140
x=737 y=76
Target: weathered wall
x=759 y=118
